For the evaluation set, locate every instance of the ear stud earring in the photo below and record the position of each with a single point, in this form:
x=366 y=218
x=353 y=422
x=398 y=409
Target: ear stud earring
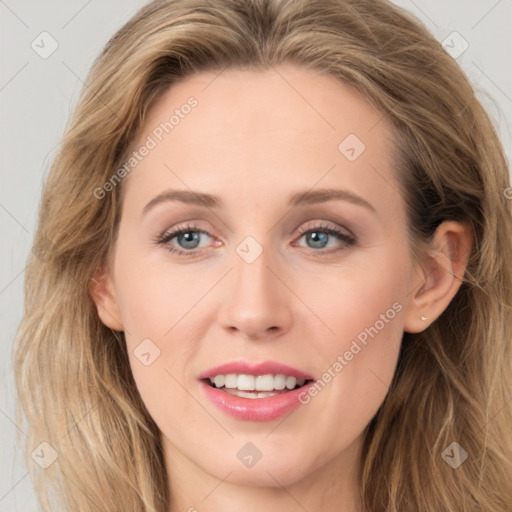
x=424 y=318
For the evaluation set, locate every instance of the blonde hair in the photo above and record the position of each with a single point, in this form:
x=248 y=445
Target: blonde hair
x=453 y=380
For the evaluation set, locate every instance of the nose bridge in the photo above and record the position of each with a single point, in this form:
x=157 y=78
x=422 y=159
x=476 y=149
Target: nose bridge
x=258 y=302
x=251 y=268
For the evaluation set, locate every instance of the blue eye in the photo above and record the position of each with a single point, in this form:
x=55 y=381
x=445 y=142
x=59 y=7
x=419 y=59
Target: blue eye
x=319 y=237
x=188 y=239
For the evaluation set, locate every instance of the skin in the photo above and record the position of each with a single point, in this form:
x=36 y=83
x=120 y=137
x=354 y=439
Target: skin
x=254 y=139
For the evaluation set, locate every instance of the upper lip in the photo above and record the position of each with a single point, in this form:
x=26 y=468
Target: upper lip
x=248 y=368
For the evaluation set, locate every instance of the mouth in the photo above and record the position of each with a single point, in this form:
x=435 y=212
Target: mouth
x=251 y=391
x=256 y=386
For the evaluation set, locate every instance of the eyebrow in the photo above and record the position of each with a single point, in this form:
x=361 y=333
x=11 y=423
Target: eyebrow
x=298 y=199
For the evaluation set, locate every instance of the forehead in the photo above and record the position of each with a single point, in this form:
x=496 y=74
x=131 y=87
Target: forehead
x=265 y=130
x=248 y=101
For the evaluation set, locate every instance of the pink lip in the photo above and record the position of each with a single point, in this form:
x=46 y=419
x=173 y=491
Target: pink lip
x=265 y=368
x=258 y=409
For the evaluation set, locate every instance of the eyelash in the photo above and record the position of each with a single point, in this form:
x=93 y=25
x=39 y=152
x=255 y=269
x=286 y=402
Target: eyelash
x=166 y=237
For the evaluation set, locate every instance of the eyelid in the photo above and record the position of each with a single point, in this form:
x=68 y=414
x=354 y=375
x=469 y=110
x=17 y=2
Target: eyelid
x=327 y=226
x=169 y=234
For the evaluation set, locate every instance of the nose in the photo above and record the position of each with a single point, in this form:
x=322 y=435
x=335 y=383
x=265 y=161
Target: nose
x=259 y=302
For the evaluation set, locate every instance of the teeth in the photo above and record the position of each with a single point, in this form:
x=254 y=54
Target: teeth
x=248 y=394
x=231 y=381
x=279 y=382
x=290 y=382
x=264 y=383
x=246 y=382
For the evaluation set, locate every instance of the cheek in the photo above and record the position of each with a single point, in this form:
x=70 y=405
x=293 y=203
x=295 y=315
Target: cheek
x=362 y=314
x=362 y=303
x=160 y=306
x=156 y=297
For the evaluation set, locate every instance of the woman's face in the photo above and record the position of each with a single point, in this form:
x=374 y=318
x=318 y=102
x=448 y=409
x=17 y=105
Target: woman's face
x=293 y=265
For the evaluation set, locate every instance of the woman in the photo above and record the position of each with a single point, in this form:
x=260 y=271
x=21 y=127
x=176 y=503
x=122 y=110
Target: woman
x=272 y=271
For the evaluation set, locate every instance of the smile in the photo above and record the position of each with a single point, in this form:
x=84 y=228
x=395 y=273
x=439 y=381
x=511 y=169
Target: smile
x=255 y=392
x=255 y=386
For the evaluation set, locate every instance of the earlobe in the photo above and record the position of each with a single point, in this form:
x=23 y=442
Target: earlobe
x=441 y=274
x=102 y=293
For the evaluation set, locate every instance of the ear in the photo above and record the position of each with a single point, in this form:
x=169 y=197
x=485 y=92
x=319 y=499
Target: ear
x=101 y=289
x=441 y=274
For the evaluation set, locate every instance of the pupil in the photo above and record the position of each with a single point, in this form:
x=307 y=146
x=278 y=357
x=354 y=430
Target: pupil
x=316 y=234
x=190 y=237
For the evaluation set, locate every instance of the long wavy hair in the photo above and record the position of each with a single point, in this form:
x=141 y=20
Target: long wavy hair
x=453 y=380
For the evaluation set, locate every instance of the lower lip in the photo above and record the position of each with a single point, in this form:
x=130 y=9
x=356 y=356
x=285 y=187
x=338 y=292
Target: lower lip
x=255 y=409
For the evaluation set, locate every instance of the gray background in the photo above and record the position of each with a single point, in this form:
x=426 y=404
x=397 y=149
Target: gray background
x=37 y=96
